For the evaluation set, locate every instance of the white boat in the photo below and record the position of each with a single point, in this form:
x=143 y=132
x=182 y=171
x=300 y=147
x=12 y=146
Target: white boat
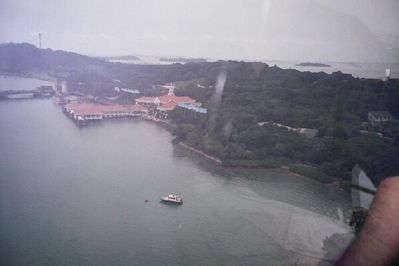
x=171 y=198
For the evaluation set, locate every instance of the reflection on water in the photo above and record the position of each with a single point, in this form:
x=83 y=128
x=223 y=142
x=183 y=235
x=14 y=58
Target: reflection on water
x=290 y=189
x=76 y=196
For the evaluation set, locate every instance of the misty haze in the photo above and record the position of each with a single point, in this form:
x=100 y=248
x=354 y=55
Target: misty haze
x=317 y=30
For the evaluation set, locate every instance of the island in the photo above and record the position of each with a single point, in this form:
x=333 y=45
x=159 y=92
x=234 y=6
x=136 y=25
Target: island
x=315 y=124
x=182 y=59
x=309 y=64
x=123 y=57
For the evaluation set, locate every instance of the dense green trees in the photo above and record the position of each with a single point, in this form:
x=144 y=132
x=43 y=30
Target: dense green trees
x=334 y=104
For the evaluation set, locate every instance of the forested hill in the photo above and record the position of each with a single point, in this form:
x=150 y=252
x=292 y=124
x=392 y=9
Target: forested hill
x=25 y=58
x=334 y=104
x=96 y=74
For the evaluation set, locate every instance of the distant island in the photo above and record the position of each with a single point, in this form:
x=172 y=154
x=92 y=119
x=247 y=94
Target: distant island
x=309 y=64
x=123 y=57
x=183 y=60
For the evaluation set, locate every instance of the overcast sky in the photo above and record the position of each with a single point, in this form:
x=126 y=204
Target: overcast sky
x=239 y=29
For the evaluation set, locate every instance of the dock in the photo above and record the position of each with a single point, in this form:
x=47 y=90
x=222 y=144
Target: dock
x=39 y=92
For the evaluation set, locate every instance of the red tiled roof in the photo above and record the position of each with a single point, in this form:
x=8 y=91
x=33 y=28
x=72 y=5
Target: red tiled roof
x=146 y=99
x=136 y=108
x=112 y=108
x=168 y=106
x=88 y=108
x=71 y=105
x=87 y=112
x=177 y=99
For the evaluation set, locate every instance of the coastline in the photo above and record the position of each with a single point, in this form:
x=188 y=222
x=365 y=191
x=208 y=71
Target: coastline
x=335 y=182
x=278 y=166
x=162 y=123
x=196 y=151
x=205 y=189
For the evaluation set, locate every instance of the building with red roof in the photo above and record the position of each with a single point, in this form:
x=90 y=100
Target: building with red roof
x=167 y=106
x=145 y=100
x=136 y=108
x=161 y=105
x=177 y=99
x=89 y=111
x=164 y=99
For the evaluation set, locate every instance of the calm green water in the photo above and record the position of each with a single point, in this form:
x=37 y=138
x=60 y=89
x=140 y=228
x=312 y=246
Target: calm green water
x=75 y=196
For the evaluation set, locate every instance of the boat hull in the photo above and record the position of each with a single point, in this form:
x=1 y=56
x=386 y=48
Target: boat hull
x=168 y=201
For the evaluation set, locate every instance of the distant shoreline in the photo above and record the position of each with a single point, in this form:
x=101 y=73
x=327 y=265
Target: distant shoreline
x=182 y=60
x=310 y=64
x=123 y=57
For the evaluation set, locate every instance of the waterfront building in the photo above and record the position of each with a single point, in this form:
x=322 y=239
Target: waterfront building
x=90 y=112
x=164 y=99
x=145 y=100
x=379 y=117
x=167 y=107
x=160 y=106
x=193 y=108
x=176 y=99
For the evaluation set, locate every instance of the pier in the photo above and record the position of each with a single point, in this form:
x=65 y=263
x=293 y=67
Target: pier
x=39 y=92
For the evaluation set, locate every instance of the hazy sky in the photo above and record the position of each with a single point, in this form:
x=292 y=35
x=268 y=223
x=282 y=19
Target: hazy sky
x=239 y=29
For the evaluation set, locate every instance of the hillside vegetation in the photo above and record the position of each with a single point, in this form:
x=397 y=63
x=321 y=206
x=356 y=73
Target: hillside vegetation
x=333 y=104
